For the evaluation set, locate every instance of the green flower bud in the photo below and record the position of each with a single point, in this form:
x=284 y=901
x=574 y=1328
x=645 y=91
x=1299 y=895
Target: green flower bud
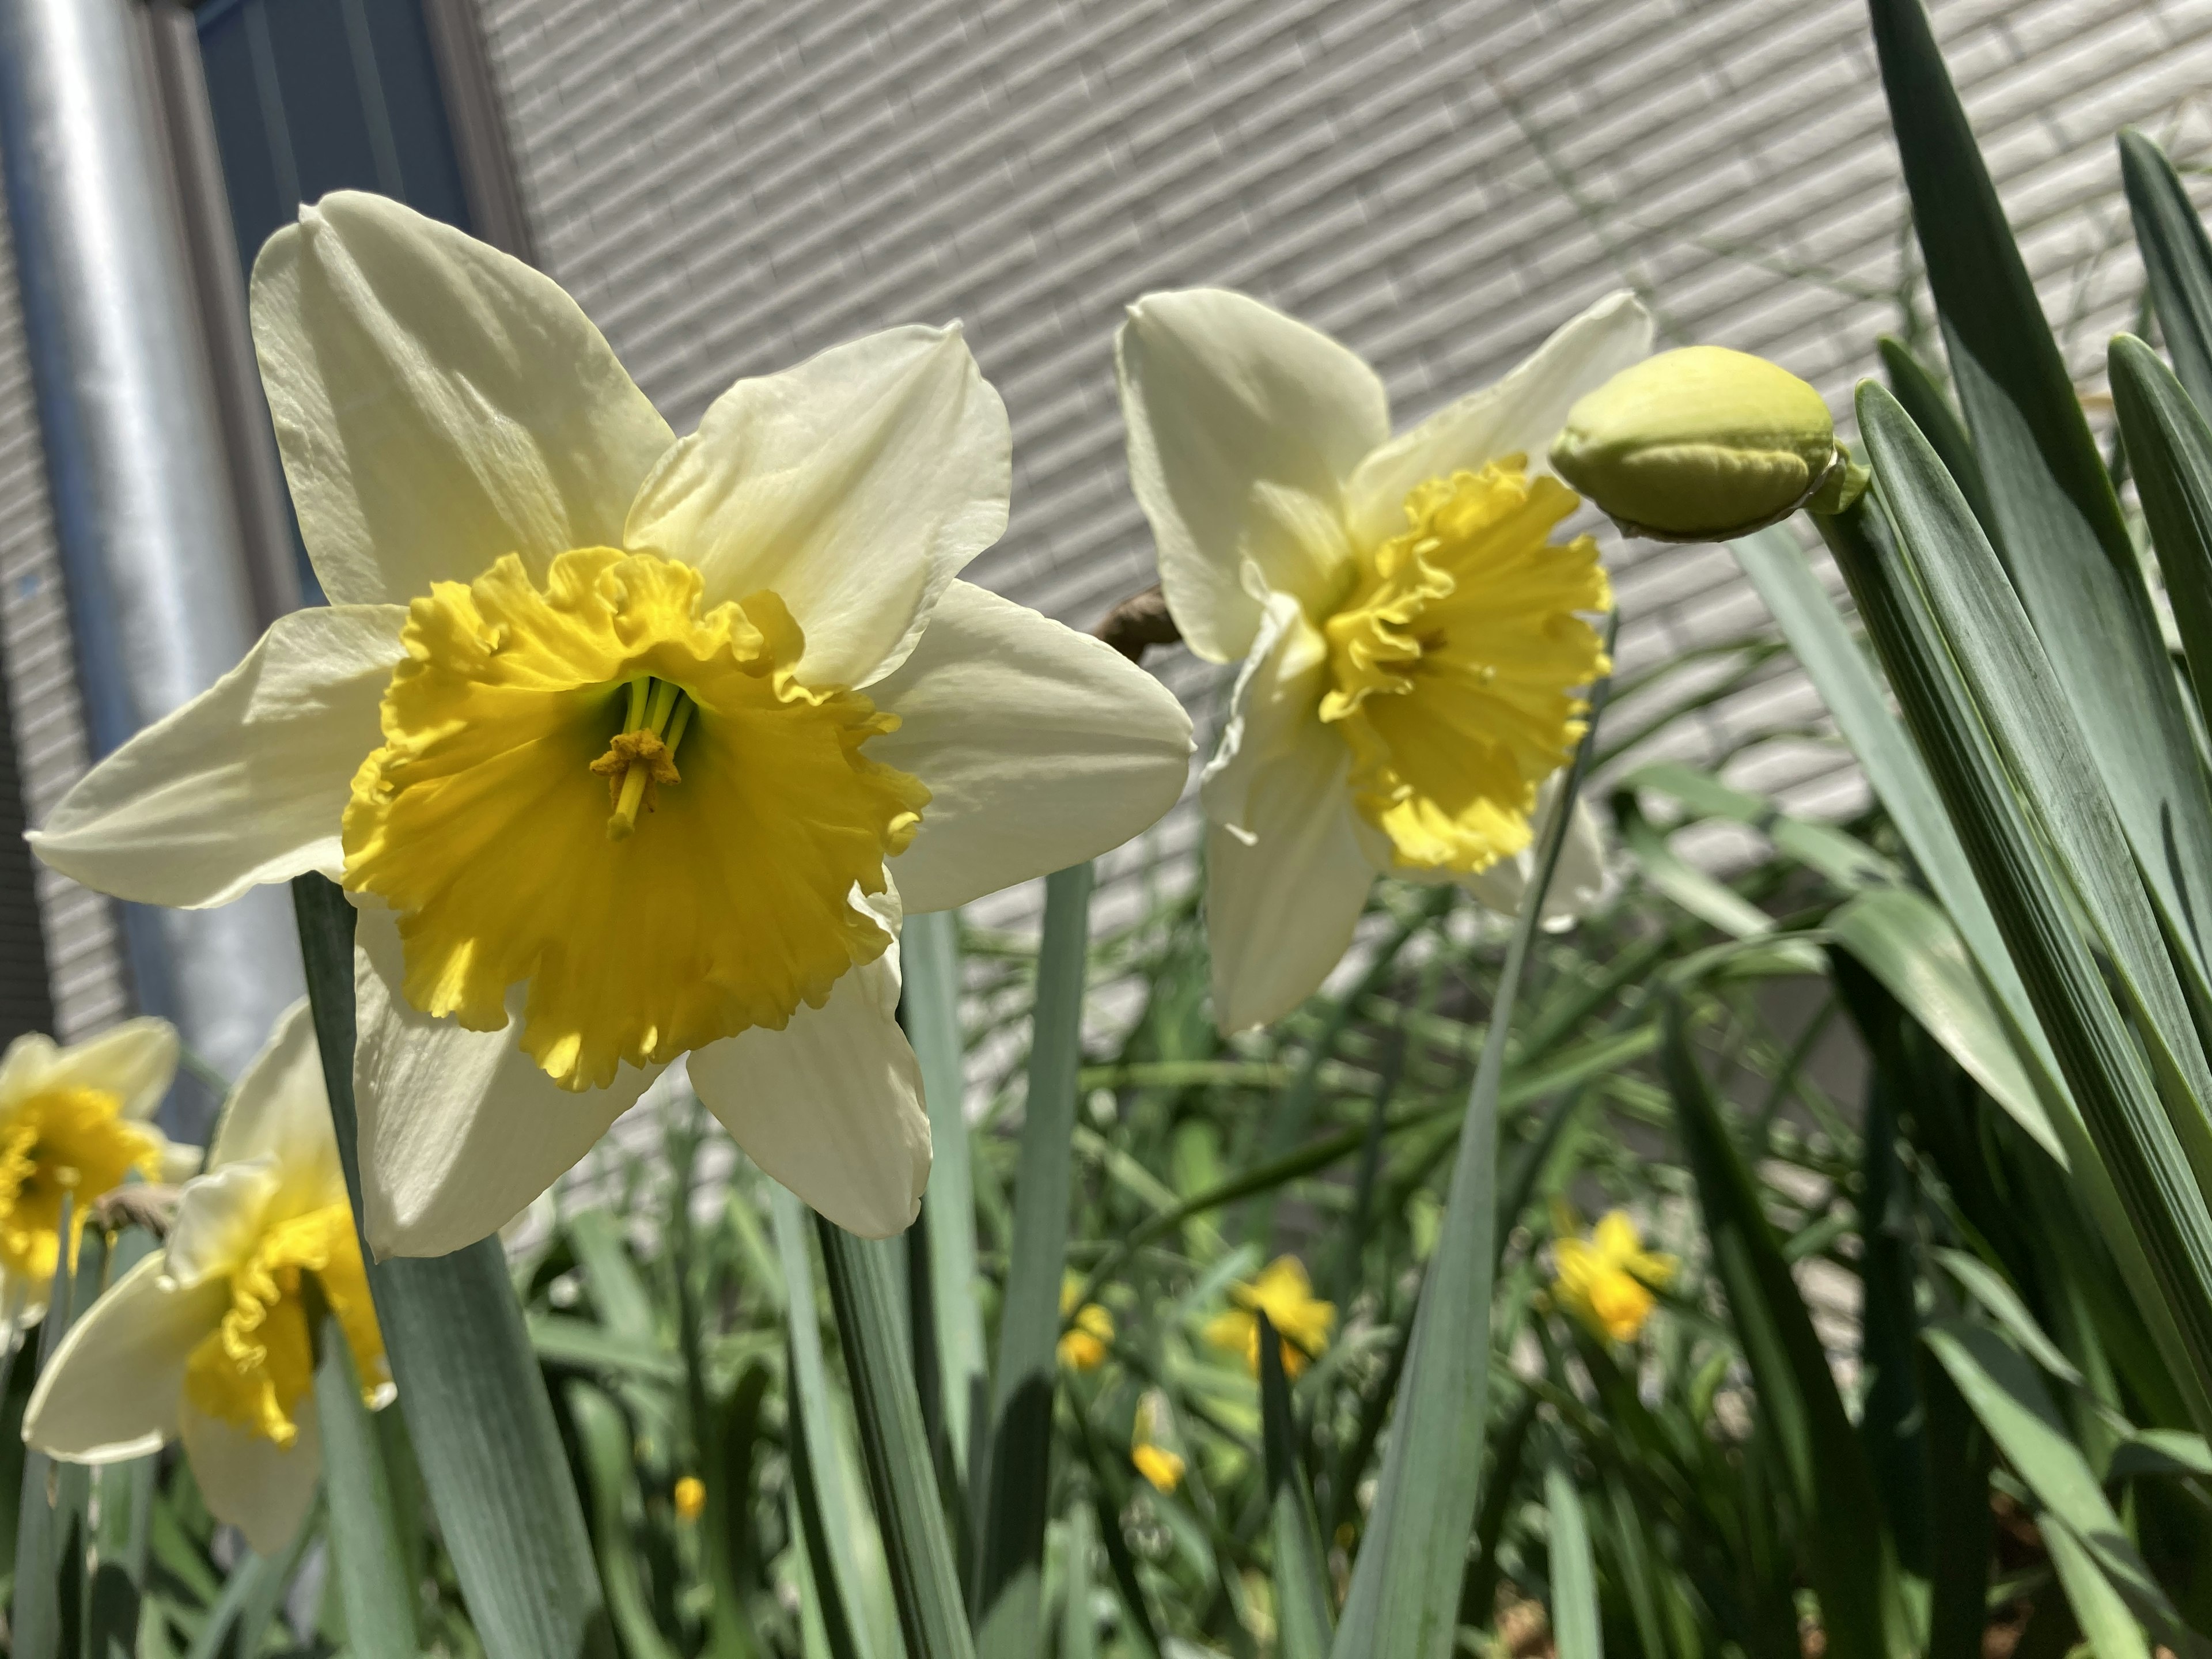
x=1704 y=444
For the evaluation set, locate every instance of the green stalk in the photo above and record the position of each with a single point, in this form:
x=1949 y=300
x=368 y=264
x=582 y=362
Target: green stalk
x=468 y=1383
x=1404 y=1600
x=1010 y=1570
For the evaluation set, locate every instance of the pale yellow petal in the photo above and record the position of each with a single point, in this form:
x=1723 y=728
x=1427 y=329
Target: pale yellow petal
x=437 y=403
x=111 y=1390
x=1244 y=430
x=261 y=1488
x=243 y=785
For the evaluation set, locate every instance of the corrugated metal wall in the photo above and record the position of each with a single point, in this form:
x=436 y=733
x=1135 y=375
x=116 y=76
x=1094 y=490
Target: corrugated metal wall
x=74 y=930
x=729 y=188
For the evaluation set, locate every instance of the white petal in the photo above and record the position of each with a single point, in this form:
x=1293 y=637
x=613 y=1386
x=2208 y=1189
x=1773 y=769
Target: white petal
x=1041 y=746
x=1518 y=415
x=111 y=1390
x=855 y=486
x=1576 y=884
x=261 y=1488
x=220 y=1217
x=1245 y=428
x=831 y=1105
x=281 y=1111
x=437 y=403
x=459 y=1130
x=245 y=784
x=1285 y=876
x=135 y=1061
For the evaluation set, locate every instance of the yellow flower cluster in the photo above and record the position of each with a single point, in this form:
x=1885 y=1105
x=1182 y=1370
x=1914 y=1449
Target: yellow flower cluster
x=1606 y=1279
x=1285 y=1294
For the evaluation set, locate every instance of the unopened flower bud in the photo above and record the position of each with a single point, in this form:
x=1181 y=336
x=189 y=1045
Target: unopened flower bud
x=1704 y=444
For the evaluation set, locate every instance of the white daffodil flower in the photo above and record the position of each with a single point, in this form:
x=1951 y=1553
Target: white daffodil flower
x=619 y=740
x=1410 y=650
x=75 y=1123
x=207 y=1338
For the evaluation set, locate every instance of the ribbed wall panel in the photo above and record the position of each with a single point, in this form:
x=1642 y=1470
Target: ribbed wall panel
x=730 y=188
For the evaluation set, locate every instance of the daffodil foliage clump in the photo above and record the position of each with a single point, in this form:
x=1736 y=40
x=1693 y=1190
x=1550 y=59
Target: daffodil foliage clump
x=1450 y=1219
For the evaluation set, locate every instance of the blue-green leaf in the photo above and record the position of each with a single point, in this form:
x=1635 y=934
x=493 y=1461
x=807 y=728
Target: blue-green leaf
x=2177 y=257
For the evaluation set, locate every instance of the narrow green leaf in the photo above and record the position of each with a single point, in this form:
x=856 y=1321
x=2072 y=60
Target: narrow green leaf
x=367 y=1557
x=250 y=1599
x=1079 y=1627
x=1710 y=901
x=36 y=1615
x=604 y=1434
x=2056 y=517
x=2170 y=447
x=611 y=1278
x=2042 y=776
x=2010 y=1399
x=734 y=1566
x=1841 y=857
x=1908 y=944
x=1914 y=385
x=1010 y=1566
x=835 y=1561
x=2177 y=257
x=1779 y=569
x=475 y=1399
x=1576 y=1631
x=1852 y=1559
x=574 y=1344
x=125 y=1498
x=1960 y=1526
x=1302 y=1611
x=1405 y=1594
x=2099 y=1607
x=929 y=1005
x=813 y=1479
x=925 y=1579
x=2107 y=1115
x=2002 y=1302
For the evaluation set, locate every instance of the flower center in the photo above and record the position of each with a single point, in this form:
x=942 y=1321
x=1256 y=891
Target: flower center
x=72 y=1143
x=1455 y=665
x=526 y=733
x=253 y=1368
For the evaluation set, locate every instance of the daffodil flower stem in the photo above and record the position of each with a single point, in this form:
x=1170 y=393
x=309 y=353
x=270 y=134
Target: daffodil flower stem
x=475 y=1398
x=366 y=1554
x=1406 y=1584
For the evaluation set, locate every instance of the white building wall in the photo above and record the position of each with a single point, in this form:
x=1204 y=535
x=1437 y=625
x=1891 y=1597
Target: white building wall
x=729 y=188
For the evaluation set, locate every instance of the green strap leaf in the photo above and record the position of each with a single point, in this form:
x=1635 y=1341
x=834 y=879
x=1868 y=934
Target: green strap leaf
x=1960 y=1526
x=1404 y=1599
x=1078 y=1626
x=35 y=1614
x=367 y=1555
x=1913 y=383
x=929 y=1006
x=2107 y=1115
x=1301 y=1610
x=2056 y=519
x=1905 y=940
x=2170 y=447
x=834 y=1555
x=1851 y=1556
x=474 y=1397
x=1576 y=1631
x=605 y=1438
x=2177 y=257
x=1010 y=1568
x=2009 y=1397
x=918 y=1548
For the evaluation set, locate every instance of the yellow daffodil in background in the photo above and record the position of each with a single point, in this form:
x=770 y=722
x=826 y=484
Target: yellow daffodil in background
x=207 y=1338
x=690 y=1497
x=1083 y=1346
x=1154 y=1461
x=1285 y=1294
x=75 y=1123
x=1606 y=1279
x=1410 y=650
x=626 y=746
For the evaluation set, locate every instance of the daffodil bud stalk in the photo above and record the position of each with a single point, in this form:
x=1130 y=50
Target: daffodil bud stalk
x=1704 y=444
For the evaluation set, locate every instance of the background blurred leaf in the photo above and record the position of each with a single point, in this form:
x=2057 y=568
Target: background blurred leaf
x=2176 y=259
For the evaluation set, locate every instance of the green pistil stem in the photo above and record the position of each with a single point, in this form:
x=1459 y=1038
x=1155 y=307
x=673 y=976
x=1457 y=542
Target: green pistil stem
x=659 y=706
